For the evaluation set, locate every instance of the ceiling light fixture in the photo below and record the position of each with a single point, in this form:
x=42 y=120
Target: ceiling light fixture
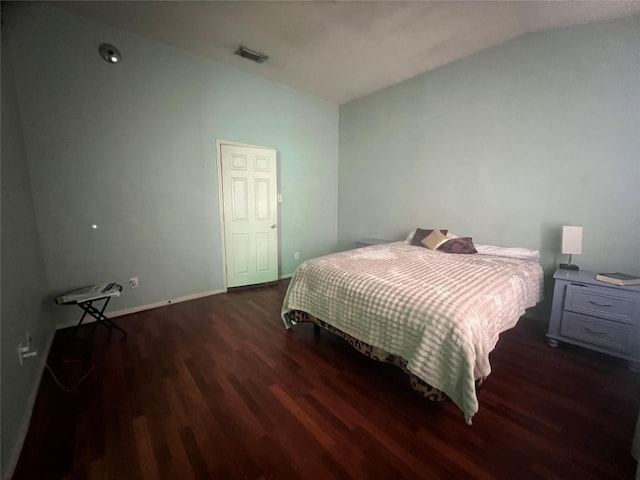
x=251 y=54
x=109 y=53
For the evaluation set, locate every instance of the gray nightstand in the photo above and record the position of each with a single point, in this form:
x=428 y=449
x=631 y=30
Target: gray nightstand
x=367 y=242
x=596 y=315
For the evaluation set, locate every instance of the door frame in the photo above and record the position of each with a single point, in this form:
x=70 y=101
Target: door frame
x=223 y=251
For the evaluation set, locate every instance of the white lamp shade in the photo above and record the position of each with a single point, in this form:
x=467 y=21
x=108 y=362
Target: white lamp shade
x=571 y=240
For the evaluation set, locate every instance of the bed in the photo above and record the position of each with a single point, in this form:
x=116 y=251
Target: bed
x=436 y=315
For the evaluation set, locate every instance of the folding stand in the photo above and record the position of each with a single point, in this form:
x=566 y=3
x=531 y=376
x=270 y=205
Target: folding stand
x=101 y=292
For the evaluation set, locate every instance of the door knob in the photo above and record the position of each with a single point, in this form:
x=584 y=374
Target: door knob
x=273 y=226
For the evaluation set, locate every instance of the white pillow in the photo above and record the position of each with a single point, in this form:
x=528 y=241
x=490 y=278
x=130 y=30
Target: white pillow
x=410 y=236
x=511 y=252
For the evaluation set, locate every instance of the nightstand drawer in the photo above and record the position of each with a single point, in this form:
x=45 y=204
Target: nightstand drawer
x=613 y=304
x=610 y=335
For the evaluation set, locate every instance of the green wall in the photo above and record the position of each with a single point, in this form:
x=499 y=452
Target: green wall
x=132 y=148
x=24 y=307
x=506 y=146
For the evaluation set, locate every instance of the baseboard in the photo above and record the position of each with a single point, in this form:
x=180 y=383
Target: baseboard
x=30 y=403
x=186 y=298
x=141 y=308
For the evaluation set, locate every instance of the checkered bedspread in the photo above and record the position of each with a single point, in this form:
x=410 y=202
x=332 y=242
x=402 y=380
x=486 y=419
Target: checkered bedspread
x=440 y=312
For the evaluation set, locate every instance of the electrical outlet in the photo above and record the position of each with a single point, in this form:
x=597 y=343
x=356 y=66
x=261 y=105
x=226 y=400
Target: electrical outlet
x=296 y=256
x=21 y=350
x=24 y=352
x=133 y=282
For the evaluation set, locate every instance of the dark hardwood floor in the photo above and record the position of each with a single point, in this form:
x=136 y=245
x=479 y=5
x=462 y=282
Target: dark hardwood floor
x=217 y=388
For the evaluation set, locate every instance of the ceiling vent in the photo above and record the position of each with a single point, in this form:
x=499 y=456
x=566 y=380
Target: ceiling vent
x=251 y=54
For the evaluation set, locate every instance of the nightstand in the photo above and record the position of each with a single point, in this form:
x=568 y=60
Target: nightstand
x=367 y=242
x=596 y=315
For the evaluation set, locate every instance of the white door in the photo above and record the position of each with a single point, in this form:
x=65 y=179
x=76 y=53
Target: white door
x=249 y=193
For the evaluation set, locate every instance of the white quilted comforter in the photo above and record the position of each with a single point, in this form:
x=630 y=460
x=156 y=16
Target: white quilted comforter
x=441 y=312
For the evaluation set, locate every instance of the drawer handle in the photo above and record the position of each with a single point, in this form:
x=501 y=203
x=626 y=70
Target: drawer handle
x=600 y=304
x=596 y=332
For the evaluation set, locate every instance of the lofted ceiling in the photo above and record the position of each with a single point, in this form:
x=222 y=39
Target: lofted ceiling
x=342 y=50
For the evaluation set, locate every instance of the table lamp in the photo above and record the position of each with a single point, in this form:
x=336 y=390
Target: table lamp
x=571 y=245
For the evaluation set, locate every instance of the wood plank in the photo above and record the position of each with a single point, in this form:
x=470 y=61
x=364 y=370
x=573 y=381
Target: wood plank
x=218 y=388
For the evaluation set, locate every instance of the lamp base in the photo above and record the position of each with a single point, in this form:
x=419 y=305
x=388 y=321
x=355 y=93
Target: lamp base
x=569 y=266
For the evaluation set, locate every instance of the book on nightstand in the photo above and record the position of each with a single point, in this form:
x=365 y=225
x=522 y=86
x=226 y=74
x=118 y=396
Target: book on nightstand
x=618 y=278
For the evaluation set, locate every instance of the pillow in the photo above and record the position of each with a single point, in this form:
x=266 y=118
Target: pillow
x=413 y=232
x=410 y=236
x=421 y=234
x=509 y=252
x=458 y=245
x=434 y=240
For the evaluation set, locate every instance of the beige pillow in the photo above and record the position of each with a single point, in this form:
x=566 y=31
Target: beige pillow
x=419 y=234
x=434 y=240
